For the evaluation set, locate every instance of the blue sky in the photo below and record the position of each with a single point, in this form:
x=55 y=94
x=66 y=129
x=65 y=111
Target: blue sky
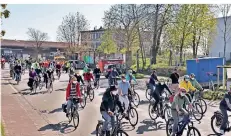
x=47 y=18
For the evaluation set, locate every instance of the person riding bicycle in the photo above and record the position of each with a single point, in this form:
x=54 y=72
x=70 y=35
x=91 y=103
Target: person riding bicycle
x=196 y=85
x=129 y=77
x=71 y=72
x=157 y=93
x=225 y=105
x=87 y=77
x=108 y=107
x=152 y=81
x=97 y=73
x=17 y=71
x=48 y=75
x=72 y=93
x=123 y=88
x=186 y=84
x=79 y=77
x=58 y=67
x=175 y=80
x=3 y=61
x=177 y=109
x=112 y=75
x=32 y=75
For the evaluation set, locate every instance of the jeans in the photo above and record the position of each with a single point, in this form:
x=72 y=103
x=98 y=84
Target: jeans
x=156 y=96
x=109 y=121
x=225 y=118
x=176 y=120
x=69 y=104
x=124 y=99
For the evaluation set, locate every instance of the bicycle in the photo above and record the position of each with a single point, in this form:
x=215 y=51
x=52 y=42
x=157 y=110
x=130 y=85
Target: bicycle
x=131 y=113
x=74 y=115
x=181 y=127
x=116 y=130
x=164 y=112
x=58 y=73
x=90 y=91
x=134 y=96
x=84 y=96
x=212 y=85
x=216 y=121
x=35 y=84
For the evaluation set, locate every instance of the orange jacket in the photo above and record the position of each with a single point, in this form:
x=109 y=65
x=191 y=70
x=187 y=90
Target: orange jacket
x=68 y=90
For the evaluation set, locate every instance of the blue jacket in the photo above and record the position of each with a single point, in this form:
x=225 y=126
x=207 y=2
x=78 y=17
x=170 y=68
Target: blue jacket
x=130 y=76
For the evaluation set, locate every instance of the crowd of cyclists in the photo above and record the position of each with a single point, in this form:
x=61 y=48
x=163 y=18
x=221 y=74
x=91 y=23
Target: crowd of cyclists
x=185 y=97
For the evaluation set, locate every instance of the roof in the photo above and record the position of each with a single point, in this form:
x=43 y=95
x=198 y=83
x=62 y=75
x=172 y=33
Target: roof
x=24 y=43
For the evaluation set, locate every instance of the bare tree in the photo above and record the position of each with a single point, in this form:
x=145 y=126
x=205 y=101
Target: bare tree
x=70 y=29
x=225 y=10
x=38 y=37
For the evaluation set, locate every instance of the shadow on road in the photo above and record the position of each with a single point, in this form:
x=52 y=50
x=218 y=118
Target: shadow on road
x=62 y=89
x=63 y=127
x=142 y=102
x=56 y=110
x=213 y=135
x=149 y=125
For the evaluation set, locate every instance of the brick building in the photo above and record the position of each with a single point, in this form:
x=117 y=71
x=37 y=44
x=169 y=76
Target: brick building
x=20 y=48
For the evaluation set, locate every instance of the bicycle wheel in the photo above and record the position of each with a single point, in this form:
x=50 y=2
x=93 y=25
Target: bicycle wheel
x=148 y=94
x=75 y=117
x=121 y=133
x=136 y=99
x=197 y=112
x=216 y=121
x=169 y=126
x=91 y=95
x=192 y=131
x=203 y=105
x=152 y=113
x=133 y=114
x=167 y=113
x=99 y=129
x=83 y=102
x=40 y=85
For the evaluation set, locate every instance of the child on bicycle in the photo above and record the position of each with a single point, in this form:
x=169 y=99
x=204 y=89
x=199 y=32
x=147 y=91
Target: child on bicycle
x=87 y=77
x=72 y=93
x=177 y=108
x=186 y=84
x=196 y=85
x=225 y=105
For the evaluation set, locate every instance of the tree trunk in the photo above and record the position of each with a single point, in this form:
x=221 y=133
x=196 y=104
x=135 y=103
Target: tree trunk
x=170 y=58
x=194 y=46
x=154 y=44
x=137 y=60
x=181 y=53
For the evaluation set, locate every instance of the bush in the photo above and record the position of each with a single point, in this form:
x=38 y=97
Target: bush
x=139 y=76
x=213 y=95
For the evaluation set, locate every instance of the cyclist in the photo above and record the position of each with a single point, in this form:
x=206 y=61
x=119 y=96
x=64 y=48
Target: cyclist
x=123 y=88
x=225 y=105
x=58 y=68
x=112 y=75
x=48 y=75
x=32 y=75
x=177 y=108
x=96 y=73
x=71 y=72
x=175 y=80
x=196 y=85
x=157 y=93
x=79 y=77
x=87 y=77
x=130 y=77
x=18 y=71
x=186 y=84
x=152 y=81
x=72 y=93
x=107 y=108
x=3 y=61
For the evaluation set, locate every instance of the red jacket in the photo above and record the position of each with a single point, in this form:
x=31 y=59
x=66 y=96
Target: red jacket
x=88 y=76
x=68 y=90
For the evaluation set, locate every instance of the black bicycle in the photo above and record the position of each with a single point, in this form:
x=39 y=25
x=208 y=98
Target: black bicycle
x=133 y=96
x=84 y=96
x=96 y=83
x=74 y=115
x=58 y=72
x=35 y=84
x=216 y=121
x=191 y=131
x=90 y=91
x=116 y=130
x=162 y=110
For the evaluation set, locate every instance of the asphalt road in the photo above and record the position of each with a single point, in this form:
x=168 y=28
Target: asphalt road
x=49 y=105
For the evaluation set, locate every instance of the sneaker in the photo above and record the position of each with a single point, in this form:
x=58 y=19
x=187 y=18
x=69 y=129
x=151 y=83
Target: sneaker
x=222 y=132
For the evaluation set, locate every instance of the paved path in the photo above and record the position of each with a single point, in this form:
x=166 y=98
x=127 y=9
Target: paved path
x=47 y=107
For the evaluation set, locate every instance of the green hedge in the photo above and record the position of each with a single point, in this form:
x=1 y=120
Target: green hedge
x=213 y=95
x=139 y=76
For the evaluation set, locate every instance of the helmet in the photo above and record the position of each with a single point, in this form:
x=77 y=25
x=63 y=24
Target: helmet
x=186 y=76
x=192 y=75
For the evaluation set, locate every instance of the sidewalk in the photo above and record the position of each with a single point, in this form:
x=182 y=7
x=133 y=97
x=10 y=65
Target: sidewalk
x=19 y=117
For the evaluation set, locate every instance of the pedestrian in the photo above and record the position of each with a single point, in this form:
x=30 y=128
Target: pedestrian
x=175 y=80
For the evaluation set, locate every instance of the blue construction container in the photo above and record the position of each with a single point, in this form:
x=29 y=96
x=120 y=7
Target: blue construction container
x=201 y=66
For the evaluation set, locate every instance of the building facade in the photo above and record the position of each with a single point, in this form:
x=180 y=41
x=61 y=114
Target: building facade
x=217 y=45
x=21 y=48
